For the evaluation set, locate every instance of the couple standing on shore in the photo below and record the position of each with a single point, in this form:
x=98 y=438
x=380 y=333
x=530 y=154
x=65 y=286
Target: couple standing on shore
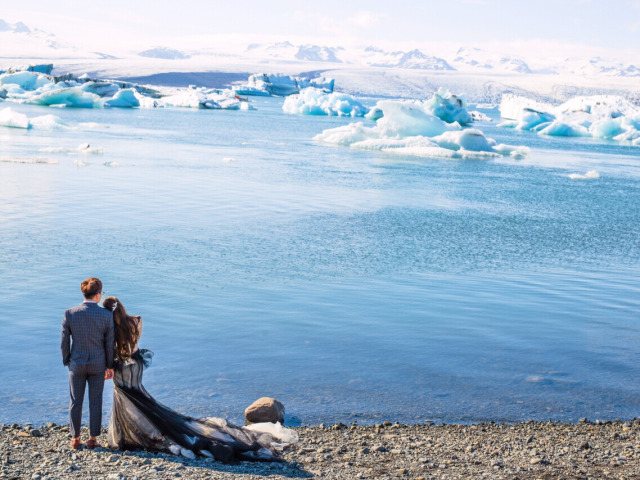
x=101 y=343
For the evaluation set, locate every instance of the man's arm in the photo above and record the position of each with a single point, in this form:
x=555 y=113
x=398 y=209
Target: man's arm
x=65 y=341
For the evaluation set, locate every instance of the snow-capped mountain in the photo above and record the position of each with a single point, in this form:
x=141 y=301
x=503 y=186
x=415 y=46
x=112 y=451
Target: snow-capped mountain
x=600 y=66
x=471 y=58
x=413 y=59
x=288 y=51
x=19 y=41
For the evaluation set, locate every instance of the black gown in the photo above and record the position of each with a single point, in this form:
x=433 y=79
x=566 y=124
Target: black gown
x=138 y=421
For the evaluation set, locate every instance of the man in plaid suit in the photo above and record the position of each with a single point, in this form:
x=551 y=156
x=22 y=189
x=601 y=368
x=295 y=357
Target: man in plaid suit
x=87 y=347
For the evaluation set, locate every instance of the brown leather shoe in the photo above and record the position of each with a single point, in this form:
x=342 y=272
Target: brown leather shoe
x=75 y=442
x=92 y=443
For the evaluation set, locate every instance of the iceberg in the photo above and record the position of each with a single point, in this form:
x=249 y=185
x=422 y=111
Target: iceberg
x=125 y=98
x=597 y=116
x=413 y=128
x=12 y=119
x=69 y=97
x=443 y=105
x=281 y=85
x=313 y=101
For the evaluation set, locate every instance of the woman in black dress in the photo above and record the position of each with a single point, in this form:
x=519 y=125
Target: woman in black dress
x=139 y=421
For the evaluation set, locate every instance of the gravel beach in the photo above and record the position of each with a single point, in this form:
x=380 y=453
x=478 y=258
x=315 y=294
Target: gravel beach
x=528 y=450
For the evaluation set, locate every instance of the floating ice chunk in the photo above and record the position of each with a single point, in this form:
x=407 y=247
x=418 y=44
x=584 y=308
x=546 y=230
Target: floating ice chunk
x=24 y=80
x=228 y=159
x=530 y=118
x=125 y=98
x=470 y=139
x=313 y=101
x=13 y=119
x=48 y=122
x=281 y=85
x=606 y=128
x=111 y=164
x=599 y=116
x=69 y=97
x=103 y=89
x=409 y=118
x=347 y=134
x=449 y=107
x=511 y=150
x=78 y=162
x=559 y=128
x=48 y=161
x=477 y=116
x=88 y=149
x=511 y=106
x=590 y=175
x=375 y=113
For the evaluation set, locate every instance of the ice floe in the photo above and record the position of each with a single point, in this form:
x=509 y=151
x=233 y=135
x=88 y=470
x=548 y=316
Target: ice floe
x=590 y=175
x=598 y=116
x=313 y=101
x=37 y=88
x=432 y=128
x=12 y=119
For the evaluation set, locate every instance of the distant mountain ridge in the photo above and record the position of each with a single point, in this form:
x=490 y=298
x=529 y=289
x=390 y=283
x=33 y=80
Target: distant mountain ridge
x=19 y=41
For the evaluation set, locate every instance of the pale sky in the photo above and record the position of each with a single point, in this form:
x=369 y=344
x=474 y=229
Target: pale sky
x=551 y=23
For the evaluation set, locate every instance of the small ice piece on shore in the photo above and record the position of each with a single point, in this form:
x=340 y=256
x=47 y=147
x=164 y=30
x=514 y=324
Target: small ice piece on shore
x=590 y=175
x=12 y=119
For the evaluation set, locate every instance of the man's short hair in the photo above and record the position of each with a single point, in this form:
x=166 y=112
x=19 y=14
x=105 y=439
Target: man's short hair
x=91 y=287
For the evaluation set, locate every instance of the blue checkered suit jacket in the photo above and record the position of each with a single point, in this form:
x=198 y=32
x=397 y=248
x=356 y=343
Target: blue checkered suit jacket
x=87 y=343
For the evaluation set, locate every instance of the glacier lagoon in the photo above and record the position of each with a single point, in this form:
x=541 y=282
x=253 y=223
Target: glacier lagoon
x=351 y=285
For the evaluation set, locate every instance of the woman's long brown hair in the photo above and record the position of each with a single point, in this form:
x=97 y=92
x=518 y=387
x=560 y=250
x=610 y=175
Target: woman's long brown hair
x=127 y=330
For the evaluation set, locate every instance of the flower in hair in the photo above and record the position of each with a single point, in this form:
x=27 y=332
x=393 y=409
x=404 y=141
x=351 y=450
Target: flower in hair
x=114 y=306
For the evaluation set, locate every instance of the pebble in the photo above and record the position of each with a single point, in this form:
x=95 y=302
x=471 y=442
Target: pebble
x=527 y=450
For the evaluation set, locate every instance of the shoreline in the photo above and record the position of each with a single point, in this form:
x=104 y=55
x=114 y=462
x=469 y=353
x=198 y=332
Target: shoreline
x=524 y=450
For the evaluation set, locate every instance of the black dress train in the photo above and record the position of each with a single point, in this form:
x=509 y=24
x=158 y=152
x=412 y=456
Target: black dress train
x=139 y=421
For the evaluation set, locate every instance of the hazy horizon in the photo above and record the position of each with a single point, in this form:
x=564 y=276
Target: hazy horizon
x=563 y=27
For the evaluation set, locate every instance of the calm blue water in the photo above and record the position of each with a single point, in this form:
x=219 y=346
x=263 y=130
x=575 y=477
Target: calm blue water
x=353 y=286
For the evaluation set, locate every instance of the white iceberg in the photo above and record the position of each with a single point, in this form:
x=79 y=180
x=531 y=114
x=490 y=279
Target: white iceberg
x=281 y=85
x=69 y=97
x=412 y=128
x=590 y=175
x=444 y=105
x=598 y=116
x=126 y=98
x=313 y=101
x=12 y=119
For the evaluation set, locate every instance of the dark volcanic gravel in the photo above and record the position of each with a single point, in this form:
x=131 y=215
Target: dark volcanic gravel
x=529 y=450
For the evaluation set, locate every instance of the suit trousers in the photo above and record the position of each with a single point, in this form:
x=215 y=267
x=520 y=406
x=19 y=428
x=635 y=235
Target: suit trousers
x=77 y=384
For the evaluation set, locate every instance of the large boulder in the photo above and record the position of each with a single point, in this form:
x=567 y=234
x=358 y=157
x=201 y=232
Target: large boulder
x=265 y=409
